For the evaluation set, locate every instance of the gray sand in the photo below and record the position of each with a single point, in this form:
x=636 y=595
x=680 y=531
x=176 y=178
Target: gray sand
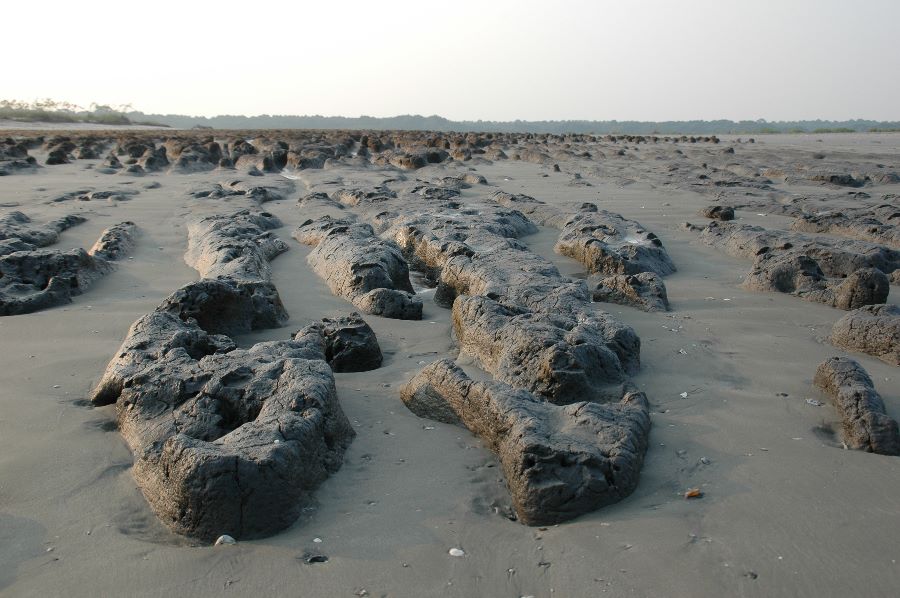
x=785 y=512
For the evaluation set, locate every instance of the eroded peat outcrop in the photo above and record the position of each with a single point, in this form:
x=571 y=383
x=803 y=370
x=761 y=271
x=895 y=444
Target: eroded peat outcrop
x=866 y=426
x=560 y=366
x=625 y=261
x=225 y=440
x=873 y=329
x=33 y=277
x=559 y=461
x=368 y=271
x=846 y=274
x=235 y=293
x=229 y=440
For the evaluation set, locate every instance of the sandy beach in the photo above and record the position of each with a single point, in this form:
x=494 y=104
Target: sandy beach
x=728 y=372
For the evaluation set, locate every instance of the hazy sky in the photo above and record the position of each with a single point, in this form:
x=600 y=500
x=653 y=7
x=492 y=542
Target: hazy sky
x=488 y=59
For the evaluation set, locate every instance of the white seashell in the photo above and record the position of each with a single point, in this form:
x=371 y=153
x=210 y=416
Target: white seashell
x=225 y=540
x=456 y=552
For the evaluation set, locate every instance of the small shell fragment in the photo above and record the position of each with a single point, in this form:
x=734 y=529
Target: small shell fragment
x=456 y=552
x=225 y=540
x=694 y=493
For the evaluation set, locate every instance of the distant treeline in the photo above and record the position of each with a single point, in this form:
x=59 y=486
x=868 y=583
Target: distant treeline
x=414 y=122
x=51 y=111
x=61 y=112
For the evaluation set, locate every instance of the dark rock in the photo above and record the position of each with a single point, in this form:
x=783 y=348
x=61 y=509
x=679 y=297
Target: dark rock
x=390 y=303
x=57 y=156
x=153 y=160
x=350 y=344
x=109 y=196
x=240 y=189
x=866 y=426
x=115 y=241
x=34 y=280
x=840 y=180
x=556 y=357
x=8 y=167
x=13 y=245
x=538 y=211
x=87 y=152
x=16 y=225
x=112 y=162
x=227 y=305
x=225 y=440
x=238 y=245
x=558 y=461
x=533 y=156
x=232 y=254
x=610 y=244
x=841 y=273
x=879 y=224
x=358 y=265
x=408 y=161
x=495 y=153
x=644 y=291
x=718 y=212
x=866 y=286
x=242 y=148
x=471 y=178
x=836 y=257
x=187 y=155
x=260 y=162
x=355 y=196
x=873 y=329
x=131 y=148
x=318 y=200
x=14 y=157
x=474 y=251
x=800 y=275
x=434 y=193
